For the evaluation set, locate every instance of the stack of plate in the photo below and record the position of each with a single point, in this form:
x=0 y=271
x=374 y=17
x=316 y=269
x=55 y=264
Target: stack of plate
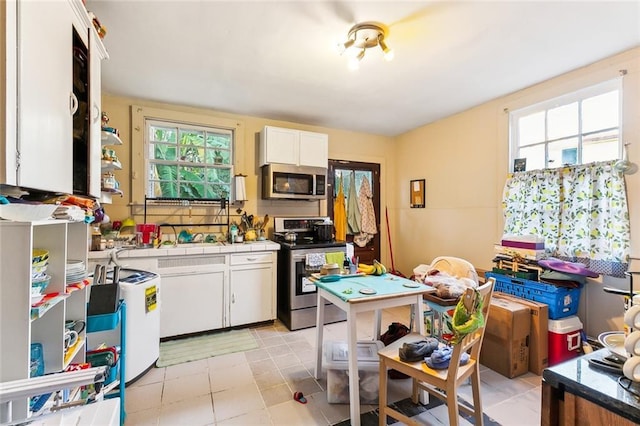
x=39 y=278
x=76 y=271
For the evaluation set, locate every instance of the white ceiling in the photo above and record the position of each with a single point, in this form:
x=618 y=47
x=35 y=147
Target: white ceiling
x=276 y=59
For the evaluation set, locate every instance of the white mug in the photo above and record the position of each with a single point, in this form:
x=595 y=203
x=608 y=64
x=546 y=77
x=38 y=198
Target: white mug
x=632 y=317
x=632 y=343
x=631 y=368
x=70 y=338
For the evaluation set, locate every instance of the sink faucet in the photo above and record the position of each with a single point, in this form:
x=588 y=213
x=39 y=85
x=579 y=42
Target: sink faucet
x=175 y=234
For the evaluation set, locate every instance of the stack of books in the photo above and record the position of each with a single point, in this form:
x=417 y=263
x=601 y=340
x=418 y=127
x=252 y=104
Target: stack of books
x=527 y=247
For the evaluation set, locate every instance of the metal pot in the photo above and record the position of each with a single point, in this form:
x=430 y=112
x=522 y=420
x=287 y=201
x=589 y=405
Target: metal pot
x=323 y=231
x=290 y=237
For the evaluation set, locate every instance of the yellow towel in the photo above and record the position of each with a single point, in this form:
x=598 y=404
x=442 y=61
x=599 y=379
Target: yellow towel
x=336 y=257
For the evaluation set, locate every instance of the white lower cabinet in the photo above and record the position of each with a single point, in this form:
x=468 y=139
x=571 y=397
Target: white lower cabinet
x=251 y=289
x=192 y=293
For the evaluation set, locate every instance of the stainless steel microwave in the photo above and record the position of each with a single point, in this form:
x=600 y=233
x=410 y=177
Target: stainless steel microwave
x=284 y=181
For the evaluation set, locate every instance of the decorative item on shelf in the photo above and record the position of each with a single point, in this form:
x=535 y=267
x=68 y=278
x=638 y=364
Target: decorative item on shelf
x=364 y=36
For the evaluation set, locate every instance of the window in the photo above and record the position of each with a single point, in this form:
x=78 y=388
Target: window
x=188 y=161
x=577 y=128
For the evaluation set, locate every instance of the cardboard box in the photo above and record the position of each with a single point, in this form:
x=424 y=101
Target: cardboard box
x=538 y=333
x=505 y=348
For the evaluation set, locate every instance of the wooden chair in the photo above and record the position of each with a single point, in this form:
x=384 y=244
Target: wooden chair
x=442 y=384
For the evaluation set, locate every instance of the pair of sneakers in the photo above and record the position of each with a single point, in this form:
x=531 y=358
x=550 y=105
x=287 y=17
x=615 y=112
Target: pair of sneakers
x=417 y=351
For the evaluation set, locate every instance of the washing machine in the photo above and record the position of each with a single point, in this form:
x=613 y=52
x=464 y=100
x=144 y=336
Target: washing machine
x=141 y=292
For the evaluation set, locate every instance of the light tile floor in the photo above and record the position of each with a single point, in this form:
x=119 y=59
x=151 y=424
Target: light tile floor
x=256 y=387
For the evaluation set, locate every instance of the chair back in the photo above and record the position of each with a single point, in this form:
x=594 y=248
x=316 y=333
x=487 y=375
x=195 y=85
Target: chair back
x=473 y=340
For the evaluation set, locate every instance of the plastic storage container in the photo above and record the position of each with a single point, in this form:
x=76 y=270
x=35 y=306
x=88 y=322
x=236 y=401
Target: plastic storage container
x=562 y=301
x=564 y=339
x=336 y=363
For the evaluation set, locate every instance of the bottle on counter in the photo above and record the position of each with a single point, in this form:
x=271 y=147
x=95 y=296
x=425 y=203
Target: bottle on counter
x=96 y=239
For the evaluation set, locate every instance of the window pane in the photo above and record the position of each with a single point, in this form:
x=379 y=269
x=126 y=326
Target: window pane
x=191 y=137
x=162 y=152
x=219 y=176
x=600 y=112
x=534 y=156
x=163 y=134
x=531 y=129
x=218 y=140
x=562 y=121
x=600 y=146
x=191 y=154
x=163 y=189
x=563 y=152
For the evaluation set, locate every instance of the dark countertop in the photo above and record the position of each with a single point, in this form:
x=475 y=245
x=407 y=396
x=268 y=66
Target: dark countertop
x=578 y=377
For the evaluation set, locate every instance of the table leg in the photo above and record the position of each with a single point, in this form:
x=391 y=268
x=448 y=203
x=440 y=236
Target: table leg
x=354 y=378
x=319 y=332
x=377 y=319
x=419 y=315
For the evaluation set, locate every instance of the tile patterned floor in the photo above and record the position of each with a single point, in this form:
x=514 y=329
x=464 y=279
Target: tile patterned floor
x=256 y=387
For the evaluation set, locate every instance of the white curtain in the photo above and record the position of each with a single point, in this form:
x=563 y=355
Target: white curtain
x=581 y=211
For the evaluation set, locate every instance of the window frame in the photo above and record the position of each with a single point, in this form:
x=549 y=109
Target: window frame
x=140 y=145
x=558 y=101
x=189 y=127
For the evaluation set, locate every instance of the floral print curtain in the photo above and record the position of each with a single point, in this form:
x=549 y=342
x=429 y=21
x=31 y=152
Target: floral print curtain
x=581 y=211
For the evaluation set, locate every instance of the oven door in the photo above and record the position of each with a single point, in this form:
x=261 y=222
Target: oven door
x=303 y=291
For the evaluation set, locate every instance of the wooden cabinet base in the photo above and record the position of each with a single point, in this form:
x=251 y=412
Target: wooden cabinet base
x=566 y=409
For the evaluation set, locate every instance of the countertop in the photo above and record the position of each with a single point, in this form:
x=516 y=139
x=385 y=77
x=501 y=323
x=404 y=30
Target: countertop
x=578 y=377
x=188 y=249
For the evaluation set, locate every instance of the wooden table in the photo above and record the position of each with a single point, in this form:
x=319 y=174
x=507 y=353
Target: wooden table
x=390 y=290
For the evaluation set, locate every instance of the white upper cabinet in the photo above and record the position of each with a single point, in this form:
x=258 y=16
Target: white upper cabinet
x=289 y=146
x=314 y=149
x=52 y=97
x=45 y=96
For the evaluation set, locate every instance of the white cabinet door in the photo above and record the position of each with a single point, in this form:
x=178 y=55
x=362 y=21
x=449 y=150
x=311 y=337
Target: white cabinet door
x=251 y=294
x=45 y=95
x=95 y=117
x=314 y=149
x=278 y=145
x=191 y=303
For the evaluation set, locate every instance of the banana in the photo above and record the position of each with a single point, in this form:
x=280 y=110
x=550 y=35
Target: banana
x=367 y=269
x=380 y=268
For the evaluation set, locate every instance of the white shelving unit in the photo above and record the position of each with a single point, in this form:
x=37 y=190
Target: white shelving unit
x=108 y=166
x=20 y=323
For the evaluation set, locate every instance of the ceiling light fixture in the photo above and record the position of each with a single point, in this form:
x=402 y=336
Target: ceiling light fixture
x=362 y=37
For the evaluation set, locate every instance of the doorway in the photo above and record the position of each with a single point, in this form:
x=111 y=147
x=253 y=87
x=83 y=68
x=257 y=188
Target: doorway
x=353 y=174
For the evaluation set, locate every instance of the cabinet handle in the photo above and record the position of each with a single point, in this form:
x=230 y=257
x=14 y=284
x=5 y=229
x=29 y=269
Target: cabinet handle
x=251 y=259
x=96 y=108
x=233 y=298
x=73 y=103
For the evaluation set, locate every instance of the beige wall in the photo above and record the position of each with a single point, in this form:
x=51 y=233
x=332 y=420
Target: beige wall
x=343 y=145
x=464 y=159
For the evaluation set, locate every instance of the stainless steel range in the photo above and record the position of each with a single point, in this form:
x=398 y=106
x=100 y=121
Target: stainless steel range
x=297 y=299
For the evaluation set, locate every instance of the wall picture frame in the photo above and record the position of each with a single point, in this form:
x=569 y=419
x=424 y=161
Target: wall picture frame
x=417 y=194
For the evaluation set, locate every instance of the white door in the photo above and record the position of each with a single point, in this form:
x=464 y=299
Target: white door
x=191 y=303
x=251 y=294
x=95 y=117
x=280 y=145
x=314 y=149
x=45 y=95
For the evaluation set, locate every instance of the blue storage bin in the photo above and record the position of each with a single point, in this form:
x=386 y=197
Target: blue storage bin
x=562 y=301
x=104 y=321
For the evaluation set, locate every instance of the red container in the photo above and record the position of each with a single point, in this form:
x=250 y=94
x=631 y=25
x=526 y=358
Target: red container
x=564 y=339
x=145 y=234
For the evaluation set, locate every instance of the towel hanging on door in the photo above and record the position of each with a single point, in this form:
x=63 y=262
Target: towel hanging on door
x=368 y=215
x=339 y=213
x=353 y=212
